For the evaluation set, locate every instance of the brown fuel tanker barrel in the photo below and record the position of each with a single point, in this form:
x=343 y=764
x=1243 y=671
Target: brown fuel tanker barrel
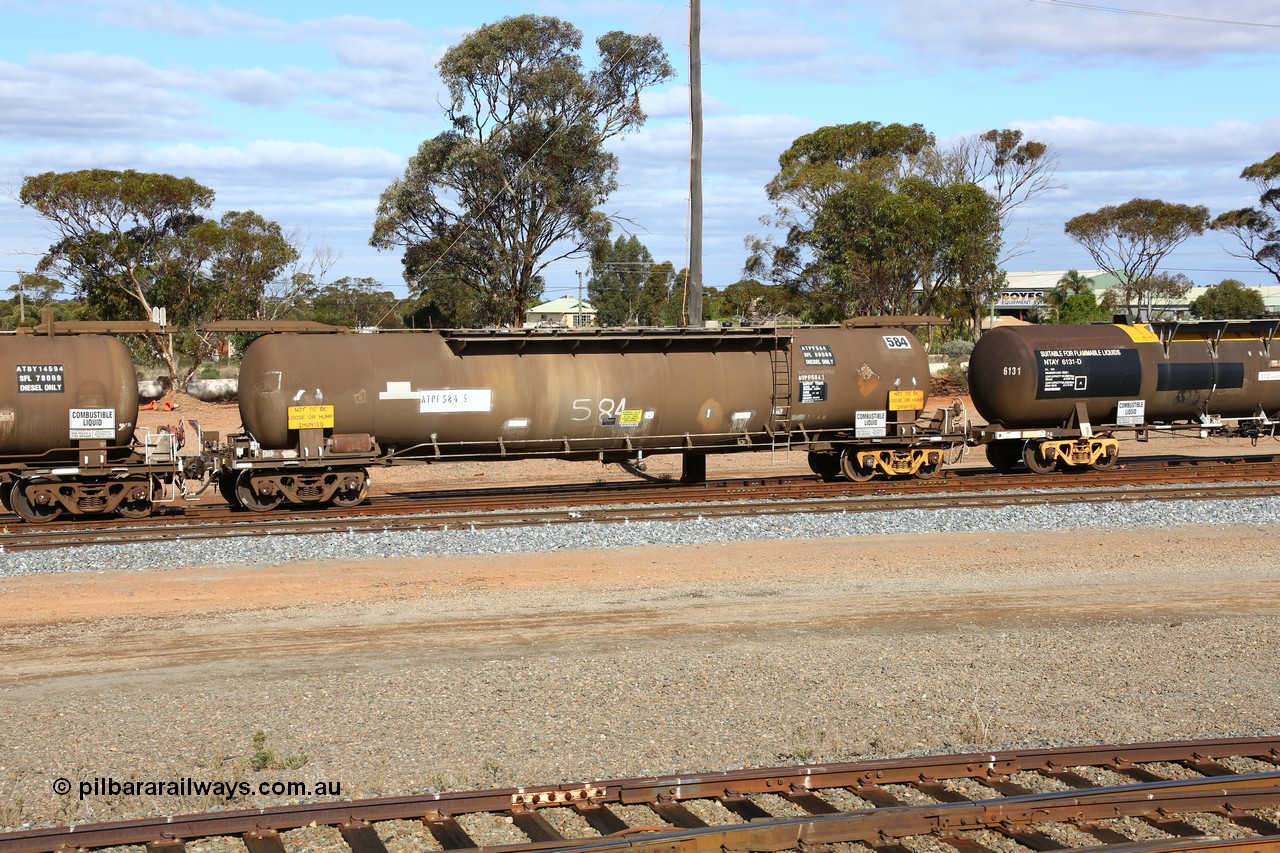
x=564 y=394
x=55 y=390
x=1032 y=376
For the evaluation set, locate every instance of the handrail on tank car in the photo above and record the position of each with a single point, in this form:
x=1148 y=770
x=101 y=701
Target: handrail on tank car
x=1212 y=331
x=50 y=327
x=894 y=321
x=297 y=327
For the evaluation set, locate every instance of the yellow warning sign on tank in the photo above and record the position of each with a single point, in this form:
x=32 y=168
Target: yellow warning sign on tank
x=906 y=401
x=630 y=417
x=311 y=417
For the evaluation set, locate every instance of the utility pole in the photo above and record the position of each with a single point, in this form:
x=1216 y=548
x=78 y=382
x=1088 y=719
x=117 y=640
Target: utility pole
x=695 y=163
x=22 y=300
x=577 y=313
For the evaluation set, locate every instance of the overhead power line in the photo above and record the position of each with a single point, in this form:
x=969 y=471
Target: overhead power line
x=1146 y=14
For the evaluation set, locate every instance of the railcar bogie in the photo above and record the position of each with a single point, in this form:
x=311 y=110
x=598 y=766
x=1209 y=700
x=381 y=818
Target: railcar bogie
x=863 y=463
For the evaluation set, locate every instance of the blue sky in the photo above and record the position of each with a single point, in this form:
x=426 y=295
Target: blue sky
x=305 y=112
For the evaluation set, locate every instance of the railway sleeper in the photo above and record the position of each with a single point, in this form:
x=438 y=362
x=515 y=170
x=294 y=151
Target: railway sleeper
x=1042 y=456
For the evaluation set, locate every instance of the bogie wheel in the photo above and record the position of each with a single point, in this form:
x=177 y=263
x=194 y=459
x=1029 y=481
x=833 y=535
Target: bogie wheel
x=1004 y=455
x=825 y=465
x=1105 y=462
x=227 y=486
x=347 y=497
x=929 y=470
x=1033 y=460
x=135 y=509
x=249 y=498
x=855 y=472
x=28 y=510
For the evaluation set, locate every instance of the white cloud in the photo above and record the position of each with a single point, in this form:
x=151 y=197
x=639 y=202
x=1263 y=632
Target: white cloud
x=179 y=19
x=761 y=34
x=1042 y=32
x=376 y=52
x=82 y=96
x=255 y=86
x=1086 y=145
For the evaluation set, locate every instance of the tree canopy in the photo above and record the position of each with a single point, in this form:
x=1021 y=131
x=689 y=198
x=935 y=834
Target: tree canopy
x=876 y=225
x=1257 y=229
x=1230 y=299
x=129 y=241
x=618 y=273
x=518 y=180
x=1130 y=240
x=359 y=303
x=1071 y=301
x=1013 y=170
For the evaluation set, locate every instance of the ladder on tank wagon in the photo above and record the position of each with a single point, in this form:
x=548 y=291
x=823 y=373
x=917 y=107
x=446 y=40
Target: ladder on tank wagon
x=780 y=408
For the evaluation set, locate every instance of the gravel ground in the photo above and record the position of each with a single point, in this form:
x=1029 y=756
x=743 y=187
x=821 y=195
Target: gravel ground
x=404 y=663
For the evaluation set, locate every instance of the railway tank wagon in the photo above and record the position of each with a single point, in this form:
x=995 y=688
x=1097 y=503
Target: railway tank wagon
x=68 y=411
x=319 y=409
x=1059 y=395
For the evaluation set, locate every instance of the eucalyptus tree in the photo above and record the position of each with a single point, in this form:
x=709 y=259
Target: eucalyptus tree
x=874 y=225
x=1229 y=299
x=1015 y=171
x=1257 y=229
x=1130 y=241
x=518 y=179
x=128 y=242
x=618 y=274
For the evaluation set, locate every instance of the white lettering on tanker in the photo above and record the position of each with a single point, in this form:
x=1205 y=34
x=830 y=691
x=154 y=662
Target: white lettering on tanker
x=1099 y=372
x=818 y=355
x=92 y=423
x=606 y=409
x=40 y=378
x=897 y=341
x=456 y=400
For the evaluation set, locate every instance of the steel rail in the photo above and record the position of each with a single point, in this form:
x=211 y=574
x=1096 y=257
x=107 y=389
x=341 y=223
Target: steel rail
x=769 y=498
x=675 y=828
x=1154 y=472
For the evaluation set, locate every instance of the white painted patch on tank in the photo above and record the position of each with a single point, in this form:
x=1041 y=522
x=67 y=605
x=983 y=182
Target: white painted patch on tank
x=516 y=423
x=398 y=391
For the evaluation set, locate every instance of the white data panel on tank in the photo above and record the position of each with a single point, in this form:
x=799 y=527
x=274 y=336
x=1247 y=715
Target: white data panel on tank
x=93 y=423
x=456 y=400
x=1131 y=412
x=871 y=424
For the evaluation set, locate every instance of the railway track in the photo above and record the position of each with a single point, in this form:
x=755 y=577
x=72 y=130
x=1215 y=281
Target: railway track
x=1198 y=795
x=1228 y=478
